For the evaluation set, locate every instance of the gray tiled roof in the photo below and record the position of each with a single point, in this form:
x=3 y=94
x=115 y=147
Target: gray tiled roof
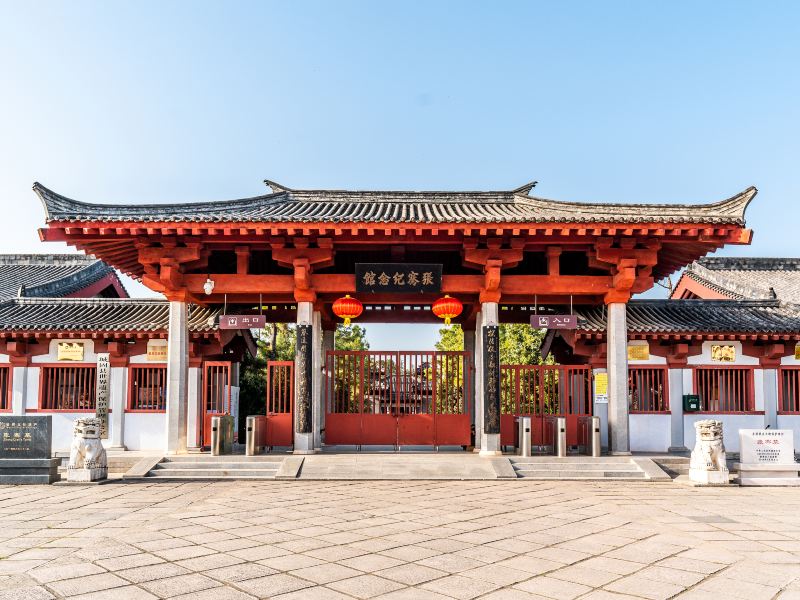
x=96 y=314
x=48 y=275
x=700 y=316
x=749 y=278
x=334 y=206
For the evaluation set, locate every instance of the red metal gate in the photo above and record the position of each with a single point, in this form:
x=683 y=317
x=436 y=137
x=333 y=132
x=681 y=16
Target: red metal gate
x=398 y=398
x=280 y=403
x=537 y=391
x=216 y=395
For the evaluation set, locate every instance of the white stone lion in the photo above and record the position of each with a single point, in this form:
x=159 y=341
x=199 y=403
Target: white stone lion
x=707 y=464
x=87 y=450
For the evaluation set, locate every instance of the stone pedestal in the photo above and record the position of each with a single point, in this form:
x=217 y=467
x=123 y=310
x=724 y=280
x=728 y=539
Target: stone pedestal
x=767 y=457
x=704 y=477
x=87 y=475
x=42 y=471
x=758 y=474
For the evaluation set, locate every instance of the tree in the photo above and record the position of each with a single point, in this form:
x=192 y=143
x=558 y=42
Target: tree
x=352 y=337
x=520 y=344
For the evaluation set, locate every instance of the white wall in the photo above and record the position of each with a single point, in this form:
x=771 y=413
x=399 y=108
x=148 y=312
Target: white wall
x=790 y=422
x=145 y=431
x=731 y=424
x=650 y=432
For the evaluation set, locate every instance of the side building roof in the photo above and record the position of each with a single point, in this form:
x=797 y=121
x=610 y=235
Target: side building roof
x=101 y=315
x=51 y=275
x=700 y=317
x=285 y=205
x=746 y=278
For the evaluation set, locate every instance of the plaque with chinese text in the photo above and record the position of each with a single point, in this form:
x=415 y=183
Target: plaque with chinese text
x=70 y=350
x=491 y=379
x=723 y=353
x=29 y=436
x=303 y=362
x=639 y=352
x=242 y=321
x=157 y=350
x=101 y=396
x=398 y=278
x=601 y=388
x=766 y=446
x=554 y=321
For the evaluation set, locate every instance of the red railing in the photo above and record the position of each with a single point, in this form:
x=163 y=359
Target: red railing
x=147 y=388
x=789 y=390
x=725 y=389
x=67 y=388
x=647 y=390
x=5 y=388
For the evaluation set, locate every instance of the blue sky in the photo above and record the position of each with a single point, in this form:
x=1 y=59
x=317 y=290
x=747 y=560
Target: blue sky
x=599 y=101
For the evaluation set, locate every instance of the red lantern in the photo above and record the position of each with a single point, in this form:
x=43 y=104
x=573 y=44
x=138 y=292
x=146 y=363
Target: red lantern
x=447 y=308
x=347 y=308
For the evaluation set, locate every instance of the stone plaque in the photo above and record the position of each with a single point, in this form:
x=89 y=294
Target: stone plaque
x=303 y=362
x=491 y=379
x=766 y=446
x=26 y=437
x=101 y=392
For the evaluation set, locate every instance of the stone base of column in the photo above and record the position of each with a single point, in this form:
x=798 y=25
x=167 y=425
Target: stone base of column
x=304 y=443
x=678 y=450
x=490 y=445
x=620 y=453
x=117 y=448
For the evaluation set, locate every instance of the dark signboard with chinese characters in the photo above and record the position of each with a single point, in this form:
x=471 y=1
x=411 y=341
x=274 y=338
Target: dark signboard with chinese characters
x=398 y=278
x=102 y=391
x=29 y=436
x=242 y=321
x=303 y=362
x=491 y=379
x=554 y=321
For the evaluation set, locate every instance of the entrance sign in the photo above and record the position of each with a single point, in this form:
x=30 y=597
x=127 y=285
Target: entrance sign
x=101 y=396
x=405 y=278
x=554 y=321
x=242 y=321
x=70 y=350
x=601 y=388
x=767 y=457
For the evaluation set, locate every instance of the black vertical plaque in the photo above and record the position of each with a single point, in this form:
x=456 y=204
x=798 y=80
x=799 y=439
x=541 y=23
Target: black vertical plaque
x=26 y=437
x=491 y=379
x=303 y=362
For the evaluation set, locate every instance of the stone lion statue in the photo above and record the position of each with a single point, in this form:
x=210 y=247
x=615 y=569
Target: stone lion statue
x=87 y=450
x=709 y=451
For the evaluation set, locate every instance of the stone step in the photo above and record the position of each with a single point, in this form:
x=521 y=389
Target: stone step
x=221 y=473
x=241 y=465
x=576 y=467
x=536 y=474
x=224 y=458
x=168 y=478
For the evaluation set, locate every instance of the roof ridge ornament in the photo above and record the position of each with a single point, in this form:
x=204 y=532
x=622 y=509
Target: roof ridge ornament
x=525 y=190
x=276 y=188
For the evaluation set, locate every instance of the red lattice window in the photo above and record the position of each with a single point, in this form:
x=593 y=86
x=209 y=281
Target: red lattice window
x=70 y=388
x=789 y=390
x=647 y=389
x=147 y=389
x=724 y=389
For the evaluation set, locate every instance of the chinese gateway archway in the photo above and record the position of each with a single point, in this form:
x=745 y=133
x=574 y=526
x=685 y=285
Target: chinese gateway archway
x=499 y=253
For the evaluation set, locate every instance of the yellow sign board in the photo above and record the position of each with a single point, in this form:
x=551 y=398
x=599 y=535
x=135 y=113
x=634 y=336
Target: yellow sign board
x=639 y=352
x=157 y=350
x=601 y=384
x=797 y=352
x=70 y=351
x=723 y=353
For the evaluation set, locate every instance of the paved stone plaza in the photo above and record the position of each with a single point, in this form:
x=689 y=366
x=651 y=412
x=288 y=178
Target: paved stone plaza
x=399 y=540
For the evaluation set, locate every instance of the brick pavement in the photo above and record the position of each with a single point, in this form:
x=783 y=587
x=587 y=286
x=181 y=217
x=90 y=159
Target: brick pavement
x=518 y=540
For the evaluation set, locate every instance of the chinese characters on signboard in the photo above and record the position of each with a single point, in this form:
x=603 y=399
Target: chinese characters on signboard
x=601 y=388
x=303 y=360
x=157 y=350
x=554 y=321
x=70 y=350
x=25 y=437
x=723 y=353
x=491 y=381
x=398 y=278
x=101 y=410
x=639 y=352
x=242 y=321
x=770 y=446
